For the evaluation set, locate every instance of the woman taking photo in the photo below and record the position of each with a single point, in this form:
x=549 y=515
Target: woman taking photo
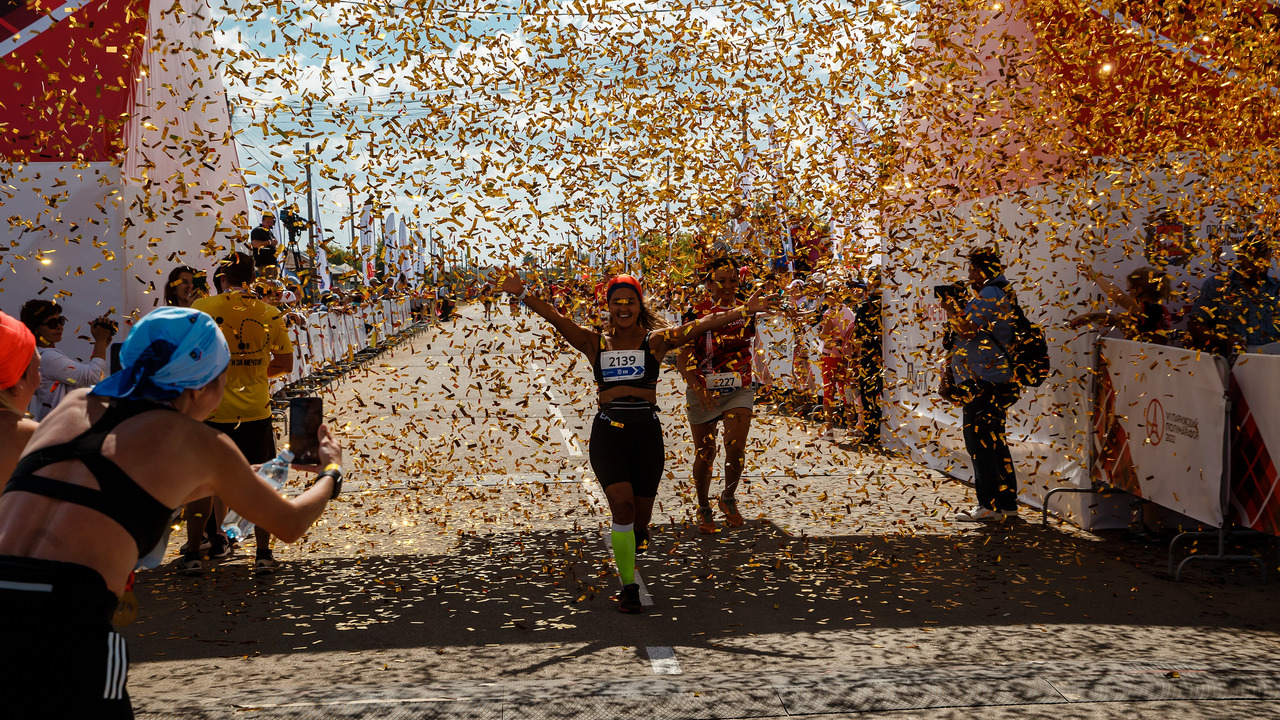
x=94 y=492
x=60 y=372
x=19 y=380
x=627 y=453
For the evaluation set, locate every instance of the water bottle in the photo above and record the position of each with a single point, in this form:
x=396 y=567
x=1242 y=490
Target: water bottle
x=275 y=472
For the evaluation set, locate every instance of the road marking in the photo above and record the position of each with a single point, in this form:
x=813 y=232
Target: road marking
x=664 y=660
x=570 y=441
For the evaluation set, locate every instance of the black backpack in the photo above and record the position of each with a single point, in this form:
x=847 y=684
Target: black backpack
x=1028 y=352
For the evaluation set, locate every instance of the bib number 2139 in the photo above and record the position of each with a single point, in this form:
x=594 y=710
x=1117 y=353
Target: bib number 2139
x=618 y=365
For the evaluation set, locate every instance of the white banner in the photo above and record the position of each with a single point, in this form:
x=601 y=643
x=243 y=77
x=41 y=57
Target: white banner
x=1161 y=431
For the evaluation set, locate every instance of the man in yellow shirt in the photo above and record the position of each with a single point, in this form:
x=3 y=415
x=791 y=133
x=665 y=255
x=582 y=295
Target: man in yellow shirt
x=260 y=350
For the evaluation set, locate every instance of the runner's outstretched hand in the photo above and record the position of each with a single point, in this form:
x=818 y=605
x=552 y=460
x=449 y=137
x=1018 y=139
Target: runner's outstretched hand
x=513 y=284
x=759 y=302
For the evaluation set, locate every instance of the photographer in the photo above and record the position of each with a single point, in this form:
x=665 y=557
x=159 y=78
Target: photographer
x=62 y=373
x=983 y=382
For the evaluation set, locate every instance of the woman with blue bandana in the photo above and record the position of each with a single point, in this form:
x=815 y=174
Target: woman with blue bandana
x=94 y=492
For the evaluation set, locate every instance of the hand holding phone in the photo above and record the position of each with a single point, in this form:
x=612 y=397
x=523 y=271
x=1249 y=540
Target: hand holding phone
x=305 y=416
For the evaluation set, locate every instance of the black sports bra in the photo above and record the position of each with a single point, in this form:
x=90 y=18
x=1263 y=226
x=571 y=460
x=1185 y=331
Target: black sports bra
x=622 y=371
x=118 y=496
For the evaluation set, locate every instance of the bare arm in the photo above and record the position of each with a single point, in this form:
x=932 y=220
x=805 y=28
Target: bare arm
x=586 y=341
x=665 y=340
x=231 y=478
x=280 y=365
x=1113 y=291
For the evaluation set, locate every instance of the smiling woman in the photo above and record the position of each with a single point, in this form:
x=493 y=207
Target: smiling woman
x=627 y=453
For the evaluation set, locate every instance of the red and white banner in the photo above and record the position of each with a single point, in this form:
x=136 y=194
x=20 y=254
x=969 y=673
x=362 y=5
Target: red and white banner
x=1255 y=442
x=1160 y=426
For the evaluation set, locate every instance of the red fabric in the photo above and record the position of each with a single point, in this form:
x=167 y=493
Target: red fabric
x=629 y=281
x=836 y=375
x=727 y=349
x=69 y=91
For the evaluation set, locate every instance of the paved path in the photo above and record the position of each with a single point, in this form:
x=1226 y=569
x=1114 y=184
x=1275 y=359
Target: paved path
x=465 y=574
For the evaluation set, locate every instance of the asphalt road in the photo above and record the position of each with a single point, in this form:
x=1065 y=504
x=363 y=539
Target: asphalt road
x=465 y=573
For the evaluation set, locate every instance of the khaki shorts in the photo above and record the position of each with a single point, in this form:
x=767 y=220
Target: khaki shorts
x=740 y=398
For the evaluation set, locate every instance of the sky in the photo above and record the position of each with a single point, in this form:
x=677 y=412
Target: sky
x=508 y=126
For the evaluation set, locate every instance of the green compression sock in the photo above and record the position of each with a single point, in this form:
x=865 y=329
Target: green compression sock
x=624 y=551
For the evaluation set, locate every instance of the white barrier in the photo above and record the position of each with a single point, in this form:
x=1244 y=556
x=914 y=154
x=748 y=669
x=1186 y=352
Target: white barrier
x=329 y=338
x=1160 y=426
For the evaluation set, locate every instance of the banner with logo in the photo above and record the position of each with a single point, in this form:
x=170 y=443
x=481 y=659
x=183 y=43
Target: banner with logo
x=1160 y=426
x=1255 y=442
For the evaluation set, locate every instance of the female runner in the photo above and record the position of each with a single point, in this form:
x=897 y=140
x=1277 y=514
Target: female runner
x=93 y=493
x=626 y=438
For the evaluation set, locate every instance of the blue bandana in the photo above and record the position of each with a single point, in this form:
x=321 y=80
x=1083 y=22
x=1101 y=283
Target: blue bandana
x=170 y=350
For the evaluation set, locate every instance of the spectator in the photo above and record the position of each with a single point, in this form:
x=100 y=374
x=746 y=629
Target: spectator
x=19 y=380
x=263 y=241
x=179 y=289
x=1145 y=317
x=839 y=353
x=1240 y=308
x=61 y=373
x=94 y=493
x=869 y=332
x=260 y=350
x=982 y=327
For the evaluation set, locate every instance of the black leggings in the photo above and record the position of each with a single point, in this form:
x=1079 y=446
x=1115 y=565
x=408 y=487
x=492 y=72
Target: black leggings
x=68 y=661
x=626 y=446
x=994 y=479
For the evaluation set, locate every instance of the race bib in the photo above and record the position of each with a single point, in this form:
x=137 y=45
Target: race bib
x=724 y=383
x=618 y=365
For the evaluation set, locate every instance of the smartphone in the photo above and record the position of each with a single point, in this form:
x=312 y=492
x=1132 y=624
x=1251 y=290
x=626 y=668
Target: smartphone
x=305 y=415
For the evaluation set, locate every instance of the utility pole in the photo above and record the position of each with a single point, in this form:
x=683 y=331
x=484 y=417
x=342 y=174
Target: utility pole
x=311 y=225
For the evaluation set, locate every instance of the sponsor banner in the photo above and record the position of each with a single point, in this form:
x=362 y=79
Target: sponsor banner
x=1255 y=442
x=1160 y=426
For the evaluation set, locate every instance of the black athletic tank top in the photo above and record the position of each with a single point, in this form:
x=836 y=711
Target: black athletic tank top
x=625 y=374
x=119 y=497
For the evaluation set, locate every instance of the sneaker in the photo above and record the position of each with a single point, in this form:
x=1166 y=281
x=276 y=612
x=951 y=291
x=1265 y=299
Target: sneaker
x=706 y=521
x=204 y=545
x=1008 y=515
x=221 y=549
x=979 y=514
x=190 y=565
x=732 y=518
x=629 y=600
x=642 y=539
x=265 y=565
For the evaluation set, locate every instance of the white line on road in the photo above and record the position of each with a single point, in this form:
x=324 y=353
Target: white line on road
x=663 y=660
x=570 y=441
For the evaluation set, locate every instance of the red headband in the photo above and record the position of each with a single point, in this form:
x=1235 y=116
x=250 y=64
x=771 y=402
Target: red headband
x=624 y=281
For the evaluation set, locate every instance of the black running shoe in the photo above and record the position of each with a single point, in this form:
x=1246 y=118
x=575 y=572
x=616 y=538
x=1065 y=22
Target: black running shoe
x=642 y=539
x=629 y=601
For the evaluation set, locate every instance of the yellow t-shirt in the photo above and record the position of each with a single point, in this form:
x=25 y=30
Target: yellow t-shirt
x=254 y=331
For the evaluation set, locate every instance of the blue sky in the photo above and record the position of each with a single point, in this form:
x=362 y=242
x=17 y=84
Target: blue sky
x=511 y=125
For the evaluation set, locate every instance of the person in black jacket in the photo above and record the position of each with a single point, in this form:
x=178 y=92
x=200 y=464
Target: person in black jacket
x=869 y=333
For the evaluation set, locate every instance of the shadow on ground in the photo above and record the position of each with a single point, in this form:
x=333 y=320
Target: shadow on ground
x=557 y=587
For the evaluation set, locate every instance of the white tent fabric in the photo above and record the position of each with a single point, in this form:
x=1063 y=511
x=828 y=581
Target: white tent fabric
x=102 y=235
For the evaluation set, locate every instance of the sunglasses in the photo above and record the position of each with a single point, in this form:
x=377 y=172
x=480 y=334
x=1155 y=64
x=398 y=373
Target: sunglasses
x=55 y=322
